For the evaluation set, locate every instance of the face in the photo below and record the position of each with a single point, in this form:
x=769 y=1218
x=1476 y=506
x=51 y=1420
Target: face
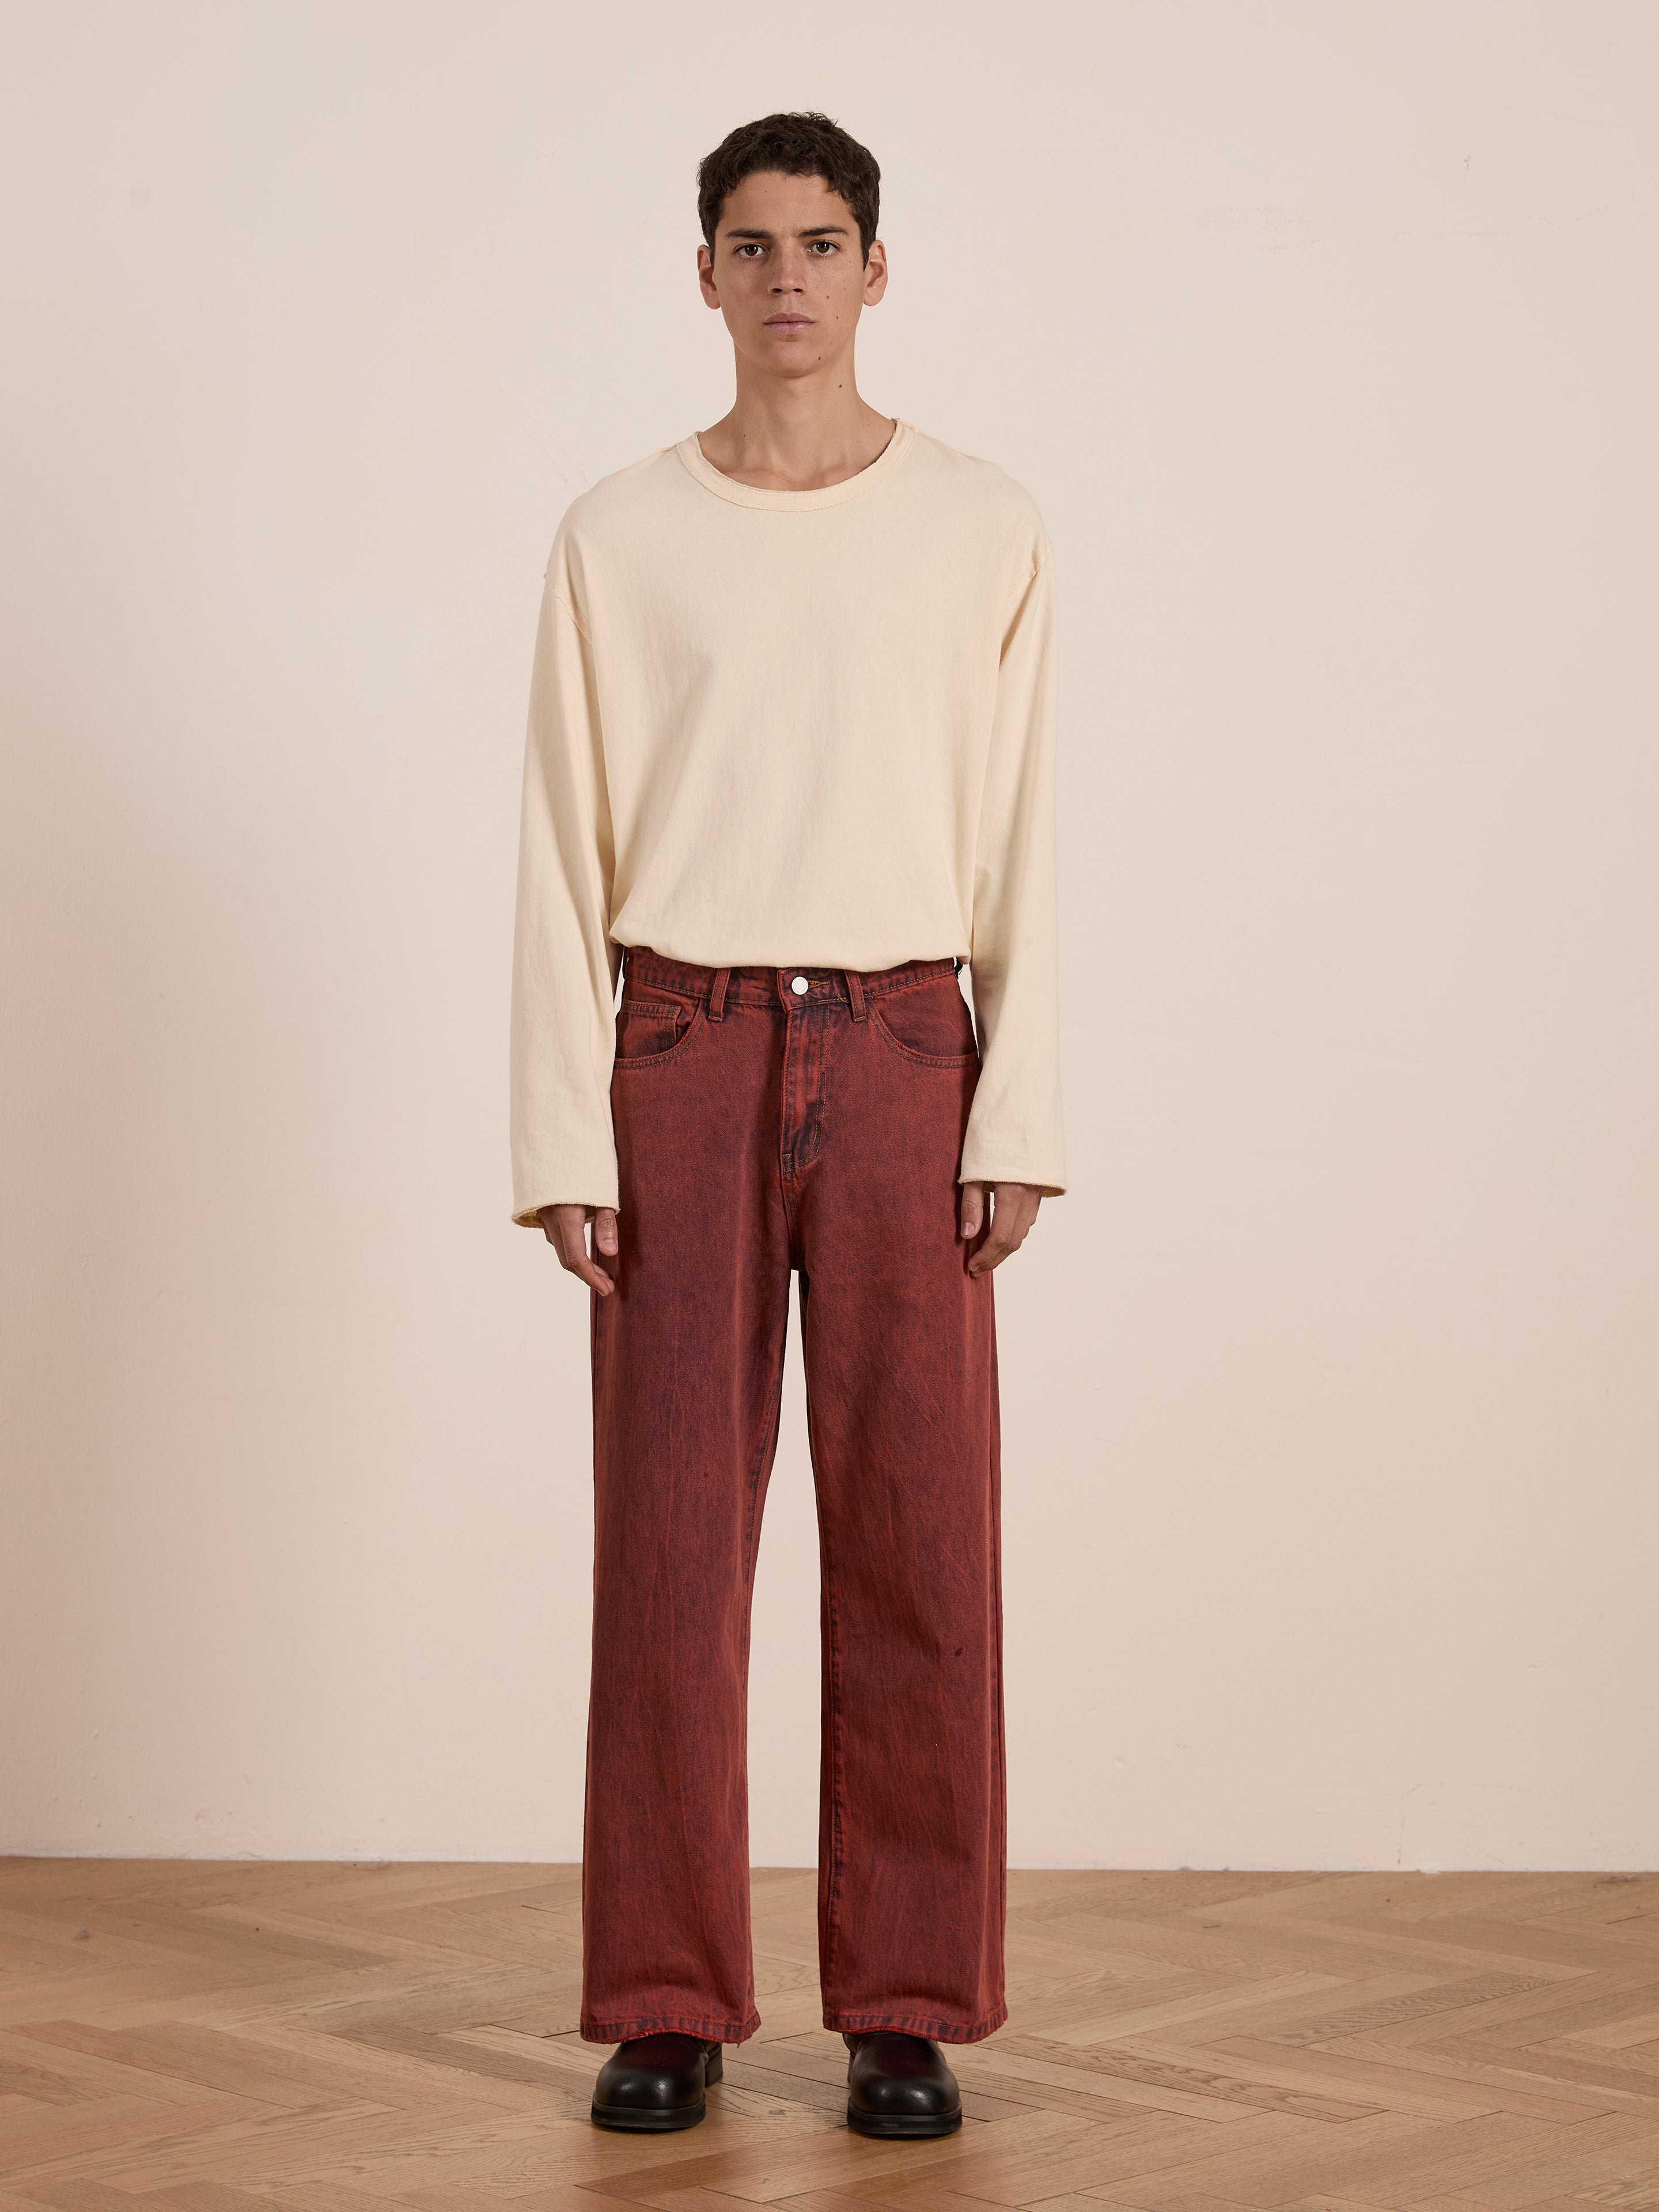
x=787 y=272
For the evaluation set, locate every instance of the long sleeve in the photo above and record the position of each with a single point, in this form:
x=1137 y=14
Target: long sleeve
x=1015 y=1129
x=564 y=965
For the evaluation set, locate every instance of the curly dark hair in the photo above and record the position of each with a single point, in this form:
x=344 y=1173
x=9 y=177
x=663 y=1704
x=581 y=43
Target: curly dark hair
x=804 y=144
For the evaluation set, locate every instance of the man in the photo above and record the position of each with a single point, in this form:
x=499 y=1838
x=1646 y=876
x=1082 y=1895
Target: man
x=790 y=763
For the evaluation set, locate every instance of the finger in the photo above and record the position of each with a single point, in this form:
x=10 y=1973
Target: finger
x=605 y=1229
x=595 y=1277
x=1016 y=1210
x=1011 y=1226
x=973 y=1209
x=994 y=1251
x=572 y=1256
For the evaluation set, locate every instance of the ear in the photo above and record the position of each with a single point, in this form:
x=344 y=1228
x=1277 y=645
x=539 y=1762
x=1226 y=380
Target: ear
x=706 y=278
x=875 y=273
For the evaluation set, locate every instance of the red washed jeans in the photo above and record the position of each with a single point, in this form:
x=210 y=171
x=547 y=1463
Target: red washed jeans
x=760 y=1129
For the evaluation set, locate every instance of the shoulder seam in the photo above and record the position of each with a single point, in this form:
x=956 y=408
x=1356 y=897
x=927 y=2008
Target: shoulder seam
x=576 y=620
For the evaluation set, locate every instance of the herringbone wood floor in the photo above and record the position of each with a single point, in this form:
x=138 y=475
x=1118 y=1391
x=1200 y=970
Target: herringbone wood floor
x=190 y=2037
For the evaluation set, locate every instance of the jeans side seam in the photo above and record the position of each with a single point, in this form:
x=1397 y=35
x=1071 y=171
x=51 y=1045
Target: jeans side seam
x=837 y=1764
x=995 y=1488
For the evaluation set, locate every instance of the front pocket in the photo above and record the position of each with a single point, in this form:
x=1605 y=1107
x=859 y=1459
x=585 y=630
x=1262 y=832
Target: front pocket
x=929 y=1024
x=650 y=1031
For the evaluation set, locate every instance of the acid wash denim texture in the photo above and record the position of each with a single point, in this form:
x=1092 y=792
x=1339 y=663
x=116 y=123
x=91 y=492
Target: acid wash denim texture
x=761 y=1129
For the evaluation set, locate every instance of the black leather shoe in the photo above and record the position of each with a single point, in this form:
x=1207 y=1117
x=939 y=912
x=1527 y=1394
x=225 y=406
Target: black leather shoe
x=900 y=2085
x=653 y=2082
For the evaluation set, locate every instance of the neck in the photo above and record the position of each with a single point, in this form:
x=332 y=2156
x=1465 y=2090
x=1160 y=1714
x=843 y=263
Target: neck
x=798 y=433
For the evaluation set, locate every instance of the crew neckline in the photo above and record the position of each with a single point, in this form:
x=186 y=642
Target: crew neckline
x=742 y=494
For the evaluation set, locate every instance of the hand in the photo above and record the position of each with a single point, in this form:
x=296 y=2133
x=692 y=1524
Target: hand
x=1012 y=1208
x=565 y=1229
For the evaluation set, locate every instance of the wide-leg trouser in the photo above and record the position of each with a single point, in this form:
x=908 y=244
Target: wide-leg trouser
x=760 y=1129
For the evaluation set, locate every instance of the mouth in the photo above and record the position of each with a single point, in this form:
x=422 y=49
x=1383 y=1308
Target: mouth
x=788 y=323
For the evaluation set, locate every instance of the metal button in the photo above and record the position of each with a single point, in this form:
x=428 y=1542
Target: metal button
x=800 y=986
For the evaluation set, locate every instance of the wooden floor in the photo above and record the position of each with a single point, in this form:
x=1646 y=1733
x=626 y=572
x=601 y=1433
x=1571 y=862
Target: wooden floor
x=192 y=2037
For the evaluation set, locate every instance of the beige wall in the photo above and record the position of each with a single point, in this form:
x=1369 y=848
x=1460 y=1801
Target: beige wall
x=1326 y=337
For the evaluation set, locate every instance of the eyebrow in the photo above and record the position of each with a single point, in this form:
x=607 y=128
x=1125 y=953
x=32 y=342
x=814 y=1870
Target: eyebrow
x=818 y=230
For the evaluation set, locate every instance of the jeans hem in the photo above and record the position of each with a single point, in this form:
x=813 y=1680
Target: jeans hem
x=678 y=2023
x=903 y=2023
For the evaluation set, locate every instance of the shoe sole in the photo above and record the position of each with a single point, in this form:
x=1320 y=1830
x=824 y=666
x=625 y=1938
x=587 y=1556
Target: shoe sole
x=901 y=2124
x=648 y=2123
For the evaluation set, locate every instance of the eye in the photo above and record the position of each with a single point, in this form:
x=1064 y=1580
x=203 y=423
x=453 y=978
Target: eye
x=826 y=244
x=749 y=245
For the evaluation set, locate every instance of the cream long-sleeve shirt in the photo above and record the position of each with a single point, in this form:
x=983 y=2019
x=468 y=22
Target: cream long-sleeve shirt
x=810 y=728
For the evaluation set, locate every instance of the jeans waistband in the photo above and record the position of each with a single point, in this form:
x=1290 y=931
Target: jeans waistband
x=775 y=987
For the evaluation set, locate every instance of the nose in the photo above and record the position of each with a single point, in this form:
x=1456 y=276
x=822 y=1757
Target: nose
x=787 y=277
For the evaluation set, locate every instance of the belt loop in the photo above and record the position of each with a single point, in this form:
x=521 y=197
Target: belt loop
x=855 y=993
x=717 y=995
